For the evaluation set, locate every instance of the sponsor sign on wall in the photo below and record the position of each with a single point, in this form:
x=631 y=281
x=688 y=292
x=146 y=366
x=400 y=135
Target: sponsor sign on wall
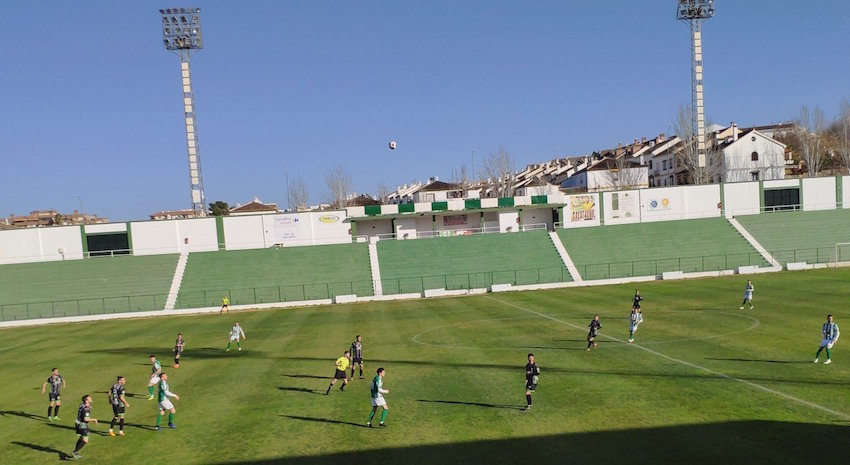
x=583 y=208
x=623 y=207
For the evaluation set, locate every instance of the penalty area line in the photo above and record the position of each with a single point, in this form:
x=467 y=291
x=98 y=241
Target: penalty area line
x=691 y=365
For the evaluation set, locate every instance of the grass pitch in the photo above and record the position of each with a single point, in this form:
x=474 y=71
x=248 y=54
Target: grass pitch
x=704 y=382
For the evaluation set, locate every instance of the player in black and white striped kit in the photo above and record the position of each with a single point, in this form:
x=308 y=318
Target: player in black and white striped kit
x=357 y=355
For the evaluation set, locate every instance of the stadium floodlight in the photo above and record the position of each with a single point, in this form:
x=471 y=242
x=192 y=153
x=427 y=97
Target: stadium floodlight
x=695 y=12
x=181 y=34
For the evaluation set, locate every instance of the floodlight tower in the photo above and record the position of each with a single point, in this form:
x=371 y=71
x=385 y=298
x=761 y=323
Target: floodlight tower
x=181 y=34
x=695 y=12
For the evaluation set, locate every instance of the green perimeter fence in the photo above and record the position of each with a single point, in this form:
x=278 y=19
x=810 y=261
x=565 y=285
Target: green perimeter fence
x=449 y=281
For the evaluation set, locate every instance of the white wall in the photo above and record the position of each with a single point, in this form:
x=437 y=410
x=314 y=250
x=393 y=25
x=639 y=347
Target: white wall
x=470 y=221
x=67 y=238
x=40 y=244
x=372 y=228
x=741 y=198
x=491 y=219
x=845 y=191
x=818 y=193
x=782 y=183
x=243 y=232
x=680 y=202
x=582 y=210
x=174 y=236
x=627 y=207
x=608 y=179
x=410 y=225
x=536 y=216
x=106 y=228
x=508 y=220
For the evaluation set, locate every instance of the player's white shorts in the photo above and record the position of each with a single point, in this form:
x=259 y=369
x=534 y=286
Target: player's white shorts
x=234 y=338
x=378 y=402
x=633 y=328
x=748 y=296
x=166 y=405
x=154 y=380
x=828 y=343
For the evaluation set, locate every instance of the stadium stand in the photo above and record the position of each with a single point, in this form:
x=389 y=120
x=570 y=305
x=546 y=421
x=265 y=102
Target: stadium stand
x=275 y=275
x=646 y=249
x=799 y=236
x=465 y=262
x=82 y=287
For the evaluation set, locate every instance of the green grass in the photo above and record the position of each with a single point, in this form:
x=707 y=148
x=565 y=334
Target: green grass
x=693 y=389
x=275 y=275
x=95 y=285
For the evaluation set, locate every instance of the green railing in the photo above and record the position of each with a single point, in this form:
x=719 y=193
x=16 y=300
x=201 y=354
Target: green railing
x=449 y=281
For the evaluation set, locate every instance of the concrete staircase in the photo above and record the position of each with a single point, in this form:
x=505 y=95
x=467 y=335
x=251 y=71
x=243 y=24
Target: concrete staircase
x=175 y=282
x=753 y=242
x=376 y=268
x=565 y=257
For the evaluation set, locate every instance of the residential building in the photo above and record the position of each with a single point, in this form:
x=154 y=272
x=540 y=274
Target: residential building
x=254 y=207
x=40 y=218
x=173 y=215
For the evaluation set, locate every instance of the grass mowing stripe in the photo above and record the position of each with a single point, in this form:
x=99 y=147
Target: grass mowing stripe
x=807 y=403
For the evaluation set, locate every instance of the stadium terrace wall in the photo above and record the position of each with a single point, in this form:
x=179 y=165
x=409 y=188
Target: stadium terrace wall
x=456 y=216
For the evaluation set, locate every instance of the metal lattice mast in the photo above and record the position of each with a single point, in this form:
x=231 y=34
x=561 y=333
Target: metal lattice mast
x=695 y=12
x=181 y=34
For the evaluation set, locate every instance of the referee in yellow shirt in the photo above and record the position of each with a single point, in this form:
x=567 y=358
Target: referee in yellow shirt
x=341 y=367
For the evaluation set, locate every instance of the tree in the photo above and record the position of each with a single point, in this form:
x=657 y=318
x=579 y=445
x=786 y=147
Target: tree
x=687 y=153
x=299 y=195
x=498 y=168
x=338 y=182
x=808 y=131
x=382 y=192
x=219 y=208
x=624 y=174
x=460 y=176
x=842 y=134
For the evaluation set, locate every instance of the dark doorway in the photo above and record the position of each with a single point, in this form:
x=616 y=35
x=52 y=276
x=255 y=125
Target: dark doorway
x=108 y=244
x=782 y=199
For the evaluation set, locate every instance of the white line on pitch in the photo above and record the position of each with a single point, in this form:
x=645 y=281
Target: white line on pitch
x=692 y=365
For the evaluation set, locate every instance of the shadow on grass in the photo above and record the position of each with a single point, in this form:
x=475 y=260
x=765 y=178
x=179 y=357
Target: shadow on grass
x=757 y=360
x=472 y=404
x=322 y=420
x=71 y=428
x=22 y=414
x=49 y=450
x=307 y=376
x=297 y=389
x=728 y=443
x=196 y=353
x=696 y=375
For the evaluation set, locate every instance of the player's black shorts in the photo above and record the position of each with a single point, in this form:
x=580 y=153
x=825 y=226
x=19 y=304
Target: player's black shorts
x=117 y=409
x=530 y=386
x=591 y=337
x=54 y=397
x=82 y=429
x=340 y=375
x=356 y=360
x=178 y=350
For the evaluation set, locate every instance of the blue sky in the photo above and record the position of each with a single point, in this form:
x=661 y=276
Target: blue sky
x=90 y=102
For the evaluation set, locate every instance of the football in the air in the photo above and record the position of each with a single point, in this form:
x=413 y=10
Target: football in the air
x=392 y=145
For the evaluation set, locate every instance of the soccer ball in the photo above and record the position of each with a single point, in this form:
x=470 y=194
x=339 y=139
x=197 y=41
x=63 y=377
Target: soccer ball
x=392 y=145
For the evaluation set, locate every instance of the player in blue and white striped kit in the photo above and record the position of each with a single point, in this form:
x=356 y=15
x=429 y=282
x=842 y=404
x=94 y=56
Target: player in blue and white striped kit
x=830 y=334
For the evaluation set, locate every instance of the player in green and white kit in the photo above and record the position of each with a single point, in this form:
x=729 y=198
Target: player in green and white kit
x=164 y=403
x=635 y=319
x=156 y=369
x=235 y=334
x=377 y=391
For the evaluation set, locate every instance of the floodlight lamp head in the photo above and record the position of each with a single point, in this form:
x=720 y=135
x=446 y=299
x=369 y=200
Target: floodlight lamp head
x=694 y=9
x=181 y=29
